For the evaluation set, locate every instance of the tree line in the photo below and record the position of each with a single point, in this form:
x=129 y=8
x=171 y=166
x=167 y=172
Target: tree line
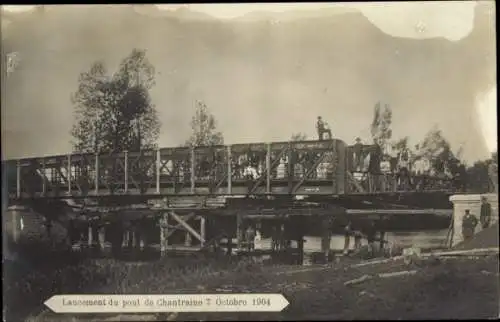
x=114 y=112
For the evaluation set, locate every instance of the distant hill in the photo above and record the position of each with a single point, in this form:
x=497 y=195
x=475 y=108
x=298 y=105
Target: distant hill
x=262 y=81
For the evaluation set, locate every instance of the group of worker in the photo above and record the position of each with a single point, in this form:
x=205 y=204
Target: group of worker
x=368 y=231
x=411 y=170
x=470 y=222
x=251 y=235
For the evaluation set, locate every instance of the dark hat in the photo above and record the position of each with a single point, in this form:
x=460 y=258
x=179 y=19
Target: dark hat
x=319 y=117
x=358 y=139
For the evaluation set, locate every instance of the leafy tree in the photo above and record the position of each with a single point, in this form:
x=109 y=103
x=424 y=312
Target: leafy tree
x=437 y=148
x=115 y=112
x=381 y=125
x=400 y=144
x=299 y=137
x=482 y=176
x=204 y=128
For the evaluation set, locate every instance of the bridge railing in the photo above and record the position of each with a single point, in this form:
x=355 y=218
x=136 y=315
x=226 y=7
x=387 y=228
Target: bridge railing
x=281 y=168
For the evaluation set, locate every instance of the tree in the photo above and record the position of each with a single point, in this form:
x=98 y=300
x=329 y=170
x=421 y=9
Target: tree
x=437 y=148
x=400 y=145
x=115 y=113
x=204 y=128
x=381 y=125
x=298 y=137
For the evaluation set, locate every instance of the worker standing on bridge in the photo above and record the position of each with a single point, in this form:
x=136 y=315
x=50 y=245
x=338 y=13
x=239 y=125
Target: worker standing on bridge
x=358 y=155
x=250 y=175
x=469 y=223
x=322 y=128
x=374 y=166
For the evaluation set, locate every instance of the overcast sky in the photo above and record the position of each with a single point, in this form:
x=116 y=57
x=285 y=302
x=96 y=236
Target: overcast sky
x=450 y=19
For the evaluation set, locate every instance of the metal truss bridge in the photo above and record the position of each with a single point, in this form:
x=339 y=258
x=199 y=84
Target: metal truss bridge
x=281 y=168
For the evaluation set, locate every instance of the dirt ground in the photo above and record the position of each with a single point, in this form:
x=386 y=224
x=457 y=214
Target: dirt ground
x=441 y=289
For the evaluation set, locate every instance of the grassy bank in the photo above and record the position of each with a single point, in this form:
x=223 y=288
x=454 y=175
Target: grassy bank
x=31 y=280
x=441 y=289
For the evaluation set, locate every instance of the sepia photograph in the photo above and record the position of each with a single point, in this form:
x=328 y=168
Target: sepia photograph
x=252 y=161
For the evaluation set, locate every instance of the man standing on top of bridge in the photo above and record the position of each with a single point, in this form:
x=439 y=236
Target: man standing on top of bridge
x=323 y=128
x=404 y=179
x=358 y=155
x=250 y=175
x=374 y=165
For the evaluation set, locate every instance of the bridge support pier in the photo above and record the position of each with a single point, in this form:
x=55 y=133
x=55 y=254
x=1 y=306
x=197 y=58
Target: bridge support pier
x=326 y=238
x=164 y=233
x=101 y=231
x=90 y=237
x=473 y=204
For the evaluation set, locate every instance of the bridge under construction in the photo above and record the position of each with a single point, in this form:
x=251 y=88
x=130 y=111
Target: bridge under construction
x=208 y=193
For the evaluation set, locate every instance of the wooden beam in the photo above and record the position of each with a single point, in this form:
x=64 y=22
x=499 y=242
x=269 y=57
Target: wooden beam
x=443 y=212
x=18 y=179
x=193 y=175
x=268 y=168
x=69 y=174
x=202 y=230
x=229 y=170
x=176 y=227
x=187 y=227
x=158 y=170
x=126 y=172
x=164 y=233
x=44 y=178
x=96 y=179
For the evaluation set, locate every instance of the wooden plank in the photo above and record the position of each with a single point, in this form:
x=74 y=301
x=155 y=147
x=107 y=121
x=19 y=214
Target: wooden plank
x=399 y=212
x=187 y=227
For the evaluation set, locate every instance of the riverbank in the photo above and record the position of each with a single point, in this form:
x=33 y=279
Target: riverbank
x=440 y=289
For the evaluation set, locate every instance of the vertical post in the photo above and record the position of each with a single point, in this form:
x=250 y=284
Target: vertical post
x=18 y=179
x=229 y=170
x=44 y=180
x=202 y=230
x=187 y=241
x=164 y=233
x=193 y=176
x=268 y=168
x=69 y=174
x=90 y=238
x=239 y=232
x=15 y=224
x=326 y=238
x=96 y=179
x=300 y=246
x=125 y=188
x=102 y=236
x=134 y=237
x=158 y=169
x=290 y=168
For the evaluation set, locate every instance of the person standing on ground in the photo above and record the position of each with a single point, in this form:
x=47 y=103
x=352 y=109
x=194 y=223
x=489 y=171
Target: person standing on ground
x=485 y=217
x=347 y=237
x=370 y=237
x=275 y=236
x=250 y=234
x=469 y=223
x=358 y=236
